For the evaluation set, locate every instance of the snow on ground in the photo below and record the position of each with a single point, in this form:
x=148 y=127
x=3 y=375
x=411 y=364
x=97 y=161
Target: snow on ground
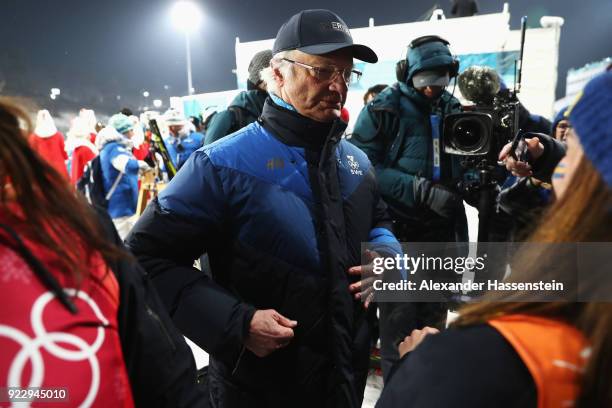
x=372 y=391
x=374 y=383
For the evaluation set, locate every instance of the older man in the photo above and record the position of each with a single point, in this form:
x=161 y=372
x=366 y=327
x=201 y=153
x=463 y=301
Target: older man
x=281 y=207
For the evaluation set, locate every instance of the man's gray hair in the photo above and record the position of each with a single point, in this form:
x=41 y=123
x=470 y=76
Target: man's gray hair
x=267 y=74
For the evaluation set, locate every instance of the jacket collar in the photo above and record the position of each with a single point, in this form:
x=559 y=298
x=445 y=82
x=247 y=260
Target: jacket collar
x=293 y=129
x=415 y=96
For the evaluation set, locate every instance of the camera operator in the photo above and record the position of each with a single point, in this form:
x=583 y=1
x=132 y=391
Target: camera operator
x=400 y=132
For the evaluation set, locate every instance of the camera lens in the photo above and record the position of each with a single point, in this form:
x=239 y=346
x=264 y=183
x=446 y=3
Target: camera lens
x=468 y=134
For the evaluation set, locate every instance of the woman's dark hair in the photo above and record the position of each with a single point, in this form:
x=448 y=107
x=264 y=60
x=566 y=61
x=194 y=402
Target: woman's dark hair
x=41 y=204
x=582 y=214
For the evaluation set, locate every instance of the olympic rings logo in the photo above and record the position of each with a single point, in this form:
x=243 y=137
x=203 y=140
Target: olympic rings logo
x=30 y=347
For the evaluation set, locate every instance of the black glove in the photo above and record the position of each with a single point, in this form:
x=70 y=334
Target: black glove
x=436 y=197
x=521 y=200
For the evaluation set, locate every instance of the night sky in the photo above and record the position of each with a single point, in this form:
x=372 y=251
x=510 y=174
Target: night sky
x=96 y=50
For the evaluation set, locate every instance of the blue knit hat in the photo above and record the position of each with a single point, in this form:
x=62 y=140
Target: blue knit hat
x=121 y=123
x=561 y=115
x=591 y=117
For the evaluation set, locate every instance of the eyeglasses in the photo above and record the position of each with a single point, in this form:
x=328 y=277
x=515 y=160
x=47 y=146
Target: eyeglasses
x=349 y=75
x=564 y=126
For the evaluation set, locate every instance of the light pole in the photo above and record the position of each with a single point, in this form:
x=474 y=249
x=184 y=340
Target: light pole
x=188 y=48
x=186 y=16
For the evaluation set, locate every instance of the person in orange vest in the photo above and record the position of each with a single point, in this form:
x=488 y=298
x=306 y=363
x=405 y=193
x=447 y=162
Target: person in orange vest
x=510 y=350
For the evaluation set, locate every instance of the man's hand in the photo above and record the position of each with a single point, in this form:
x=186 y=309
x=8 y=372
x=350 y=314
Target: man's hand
x=363 y=288
x=519 y=168
x=415 y=338
x=269 y=331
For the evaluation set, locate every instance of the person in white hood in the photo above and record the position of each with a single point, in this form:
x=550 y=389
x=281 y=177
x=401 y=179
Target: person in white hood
x=48 y=142
x=80 y=148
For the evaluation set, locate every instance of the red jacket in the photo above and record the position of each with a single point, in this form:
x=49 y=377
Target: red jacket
x=52 y=150
x=142 y=151
x=44 y=345
x=80 y=157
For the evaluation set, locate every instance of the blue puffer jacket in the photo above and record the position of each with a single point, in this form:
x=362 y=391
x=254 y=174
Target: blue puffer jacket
x=183 y=146
x=114 y=147
x=282 y=208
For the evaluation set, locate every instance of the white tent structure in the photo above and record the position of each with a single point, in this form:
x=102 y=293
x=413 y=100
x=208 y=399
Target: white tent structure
x=577 y=78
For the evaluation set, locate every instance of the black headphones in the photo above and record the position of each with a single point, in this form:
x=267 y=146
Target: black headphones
x=401 y=68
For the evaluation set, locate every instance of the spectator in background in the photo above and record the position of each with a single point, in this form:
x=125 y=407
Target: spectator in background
x=181 y=141
x=127 y=112
x=196 y=121
x=89 y=117
x=560 y=126
x=142 y=146
x=48 y=142
x=372 y=92
x=82 y=151
x=246 y=106
x=120 y=171
x=463 y=8
x=97 y=127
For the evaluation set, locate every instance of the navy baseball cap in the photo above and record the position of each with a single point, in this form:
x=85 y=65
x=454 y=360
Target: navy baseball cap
x=318 y=32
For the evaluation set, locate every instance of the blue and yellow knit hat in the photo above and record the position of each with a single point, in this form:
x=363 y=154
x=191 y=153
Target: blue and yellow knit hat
x=561 y=115
x=591 y=117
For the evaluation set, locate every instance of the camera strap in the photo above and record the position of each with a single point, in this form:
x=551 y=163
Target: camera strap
x=434 y=121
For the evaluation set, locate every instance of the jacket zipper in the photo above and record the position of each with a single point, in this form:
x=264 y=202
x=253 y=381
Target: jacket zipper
x=238 y=361
x=162 y=326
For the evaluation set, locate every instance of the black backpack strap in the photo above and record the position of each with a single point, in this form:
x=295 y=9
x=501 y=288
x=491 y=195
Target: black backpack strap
x=393 y=144
x=38 y=268
x=206 y=123
x=240 y=118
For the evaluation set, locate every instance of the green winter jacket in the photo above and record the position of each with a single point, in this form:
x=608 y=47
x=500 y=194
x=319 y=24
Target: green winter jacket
x=244 y=109
x=394 y=130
